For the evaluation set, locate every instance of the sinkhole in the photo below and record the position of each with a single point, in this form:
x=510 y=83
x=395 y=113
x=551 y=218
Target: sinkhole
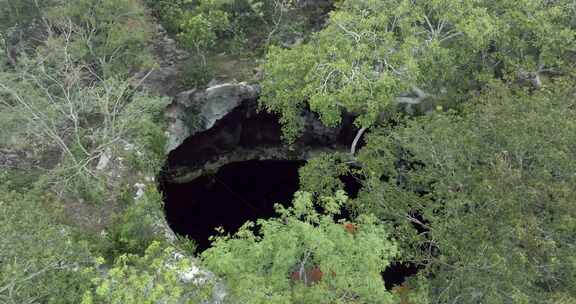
x=236 y=193
x=245 y=191
x=241 y=190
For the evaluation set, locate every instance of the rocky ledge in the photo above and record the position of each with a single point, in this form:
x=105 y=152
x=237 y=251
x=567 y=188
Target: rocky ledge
x=221 y=124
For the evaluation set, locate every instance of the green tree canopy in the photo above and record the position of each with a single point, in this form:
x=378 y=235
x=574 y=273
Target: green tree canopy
x=305 y=257
x=373 y=53
x=111 y=35
x=494 y=191
x=155 y=277
x=41 y=260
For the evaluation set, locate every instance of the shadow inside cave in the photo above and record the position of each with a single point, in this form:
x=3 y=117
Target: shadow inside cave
x=238 y=192
x=245 y=191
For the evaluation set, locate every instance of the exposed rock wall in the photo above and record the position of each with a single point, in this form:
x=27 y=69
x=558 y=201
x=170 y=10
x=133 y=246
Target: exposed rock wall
x=195 y=110
x=210 y=128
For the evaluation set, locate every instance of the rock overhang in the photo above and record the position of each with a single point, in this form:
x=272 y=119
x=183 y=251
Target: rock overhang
x=221 y=124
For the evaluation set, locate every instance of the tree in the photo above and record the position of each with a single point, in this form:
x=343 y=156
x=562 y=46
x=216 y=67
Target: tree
x=483 y=199
x=41 y=261
x=69 y=104
x=168 y=12
x=374 y=54
x=158 y=276
x=111 y=35
x=200 y=29
x=16 y=13
x=61 y=107
x=21 y=24
x=304 y=256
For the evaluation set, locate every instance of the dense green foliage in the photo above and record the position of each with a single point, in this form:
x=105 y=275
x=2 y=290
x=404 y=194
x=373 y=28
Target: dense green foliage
x=481 y=196
x=476 y=189
x=235 y=30
x=148 y=279
x=499 y=203
x=16 y=14
x=234 y=22
x=41 y=261
x=113 y=34
x=200 y=27
x=134 y=229
x=84 y=134
x=374 y=52
x=305 y=257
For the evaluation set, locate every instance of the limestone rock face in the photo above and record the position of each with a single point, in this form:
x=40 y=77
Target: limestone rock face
x=219 y=125
x=195 y=110
x=220 y=100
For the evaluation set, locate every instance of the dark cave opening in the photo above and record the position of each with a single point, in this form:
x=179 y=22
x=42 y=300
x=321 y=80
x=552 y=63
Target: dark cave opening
x=243 y=191
x=397 y=273
x=238 y=192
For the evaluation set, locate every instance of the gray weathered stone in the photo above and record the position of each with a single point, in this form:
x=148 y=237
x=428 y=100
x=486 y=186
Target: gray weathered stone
x=222 y=125
x=194 y=110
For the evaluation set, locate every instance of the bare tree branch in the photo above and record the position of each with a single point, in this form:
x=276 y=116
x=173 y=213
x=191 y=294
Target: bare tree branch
x=356 y=139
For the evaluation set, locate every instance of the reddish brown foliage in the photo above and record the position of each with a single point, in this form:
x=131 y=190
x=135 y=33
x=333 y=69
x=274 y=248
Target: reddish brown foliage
x=312 y=275
x=315 y=274
x=350 y=228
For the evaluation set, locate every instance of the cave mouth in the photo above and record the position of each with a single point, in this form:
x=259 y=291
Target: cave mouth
x=245 y=191
x=397 y=273
x=236 y=193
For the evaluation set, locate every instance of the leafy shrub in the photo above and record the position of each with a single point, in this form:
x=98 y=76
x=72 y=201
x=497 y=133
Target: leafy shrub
x=321 y=175
x=493 y=189
x=169 y=12
x=144 y=124
x=113 y=34
x=305 y=257
x=196 y=75
x=40 y=258
x=136 y=227
x=154 y=277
